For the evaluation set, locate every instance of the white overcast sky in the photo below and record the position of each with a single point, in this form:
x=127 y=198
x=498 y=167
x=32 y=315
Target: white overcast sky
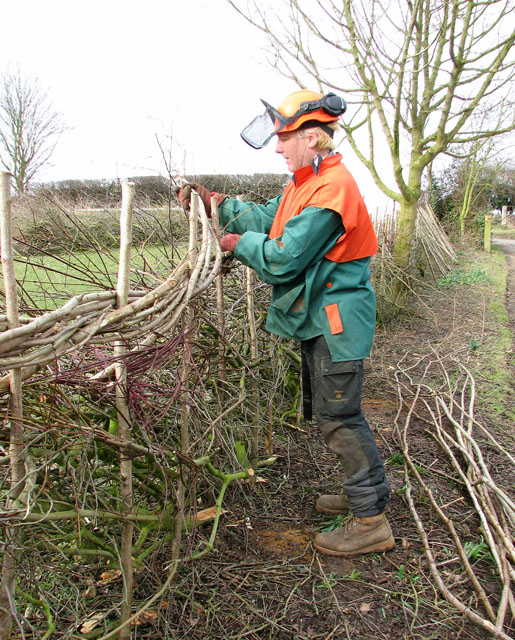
x=123 y=71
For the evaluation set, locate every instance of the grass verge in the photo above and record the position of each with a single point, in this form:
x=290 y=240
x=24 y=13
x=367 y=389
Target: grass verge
x=491 y=343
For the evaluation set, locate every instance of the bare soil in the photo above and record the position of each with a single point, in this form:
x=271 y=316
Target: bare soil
x=264 y=580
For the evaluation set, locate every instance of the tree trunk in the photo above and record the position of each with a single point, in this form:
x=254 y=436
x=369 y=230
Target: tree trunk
x=406 y=226
x=405 y=233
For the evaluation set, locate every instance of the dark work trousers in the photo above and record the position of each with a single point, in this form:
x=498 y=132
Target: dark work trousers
x=336 y=397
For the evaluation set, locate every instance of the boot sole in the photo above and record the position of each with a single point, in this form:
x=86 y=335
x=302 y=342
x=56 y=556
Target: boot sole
x=379 y=547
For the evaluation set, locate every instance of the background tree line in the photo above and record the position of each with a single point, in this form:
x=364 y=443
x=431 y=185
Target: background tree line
x=54 y=216
x=158 y=190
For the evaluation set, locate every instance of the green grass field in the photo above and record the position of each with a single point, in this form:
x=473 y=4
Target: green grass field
x=48 y=281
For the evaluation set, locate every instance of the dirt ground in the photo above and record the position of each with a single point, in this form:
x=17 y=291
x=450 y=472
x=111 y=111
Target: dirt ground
x=265 y=580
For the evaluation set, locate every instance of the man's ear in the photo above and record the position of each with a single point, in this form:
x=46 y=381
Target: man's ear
x=312 y=138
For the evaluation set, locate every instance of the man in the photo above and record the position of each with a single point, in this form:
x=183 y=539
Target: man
x=313 y=244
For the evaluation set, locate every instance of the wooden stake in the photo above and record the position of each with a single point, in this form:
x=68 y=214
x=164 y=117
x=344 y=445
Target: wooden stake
x=219 y=306
x=254 y=354
x=184 y=403
x=122 y=408
x=16 y=446
x=488 y=233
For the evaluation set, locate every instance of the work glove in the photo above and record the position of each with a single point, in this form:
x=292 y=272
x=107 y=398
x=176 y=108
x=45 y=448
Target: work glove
x=184 y=195
x=229 y=241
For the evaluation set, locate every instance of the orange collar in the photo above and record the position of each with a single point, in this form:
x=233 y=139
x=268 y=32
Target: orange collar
x=318 y=165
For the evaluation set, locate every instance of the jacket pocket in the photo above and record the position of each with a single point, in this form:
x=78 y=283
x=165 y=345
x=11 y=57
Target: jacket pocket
x=285 y=302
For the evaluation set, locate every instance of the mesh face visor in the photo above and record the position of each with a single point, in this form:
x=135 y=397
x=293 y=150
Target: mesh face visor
x=258 y=132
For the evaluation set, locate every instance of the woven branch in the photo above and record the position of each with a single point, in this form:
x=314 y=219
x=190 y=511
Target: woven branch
x=92 y=318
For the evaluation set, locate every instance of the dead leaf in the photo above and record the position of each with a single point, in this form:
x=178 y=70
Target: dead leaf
x=90 y=592
x=145 y=617
x=106 y=577
x=365 y=607
x=91 y=623
x=207 y=514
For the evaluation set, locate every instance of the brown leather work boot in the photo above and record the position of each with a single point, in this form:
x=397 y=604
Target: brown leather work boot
x=360 y=535
x=333 y=505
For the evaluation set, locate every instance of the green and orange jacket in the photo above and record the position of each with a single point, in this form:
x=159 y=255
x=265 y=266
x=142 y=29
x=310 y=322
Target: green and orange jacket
x=313 y=244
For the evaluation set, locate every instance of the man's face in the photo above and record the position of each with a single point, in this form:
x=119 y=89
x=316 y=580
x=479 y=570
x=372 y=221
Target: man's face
x=298 y=152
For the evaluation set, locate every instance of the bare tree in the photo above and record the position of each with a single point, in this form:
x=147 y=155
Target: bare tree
x=29 y=128
x=414 y=73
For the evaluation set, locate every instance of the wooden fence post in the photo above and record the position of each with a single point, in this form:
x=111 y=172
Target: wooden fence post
x=488 y=233
x=122 y=408
x=185 y=399
x=220 y=309
x=254 y=353
x=16 y=445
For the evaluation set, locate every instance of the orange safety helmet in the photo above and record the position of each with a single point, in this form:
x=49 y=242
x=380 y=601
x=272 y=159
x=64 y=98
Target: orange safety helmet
x=299 y=109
